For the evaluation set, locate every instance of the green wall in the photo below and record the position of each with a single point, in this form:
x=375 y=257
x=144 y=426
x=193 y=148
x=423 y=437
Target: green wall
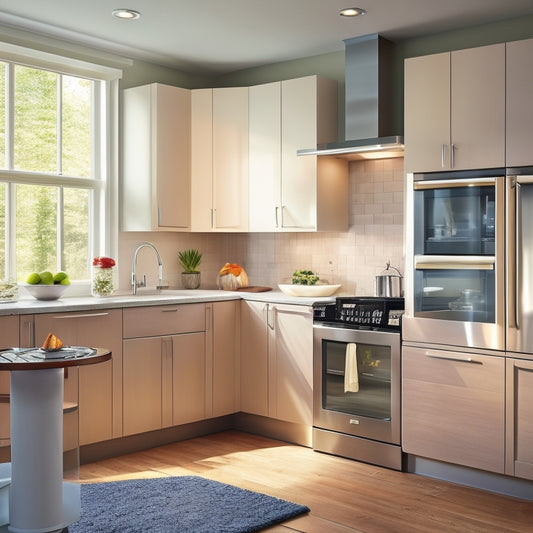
x=332 y=65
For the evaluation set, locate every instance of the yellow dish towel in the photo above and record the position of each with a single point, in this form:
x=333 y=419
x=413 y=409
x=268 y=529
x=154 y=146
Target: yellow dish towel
x=351 y=376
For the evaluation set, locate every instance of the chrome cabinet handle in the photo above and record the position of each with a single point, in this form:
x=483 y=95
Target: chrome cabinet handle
x=466 y=359
x=442 y=155
x=85 y=315
x=269 y=323
x=452 y=155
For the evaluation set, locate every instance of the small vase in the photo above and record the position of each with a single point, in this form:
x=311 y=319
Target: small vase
x=191 y=280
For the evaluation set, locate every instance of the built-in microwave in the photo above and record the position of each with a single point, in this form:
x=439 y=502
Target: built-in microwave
x=455 y=259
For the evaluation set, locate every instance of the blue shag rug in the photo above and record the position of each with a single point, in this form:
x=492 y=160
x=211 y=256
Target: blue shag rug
x=188 y=504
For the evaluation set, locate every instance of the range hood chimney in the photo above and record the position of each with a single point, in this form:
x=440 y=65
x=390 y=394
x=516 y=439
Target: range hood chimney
x=368 y=103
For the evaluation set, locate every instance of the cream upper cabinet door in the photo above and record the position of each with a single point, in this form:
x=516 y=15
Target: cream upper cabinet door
x=254 y=358
x=230 y=158
x=265 y=157
x=519 y=103
x=291 y=364
x=455 y=110
x=155 y=191
x=478 y=107
x=202 y=159
x=308 y=117
x=519 y=445
x=219 y=148
x=427 y=113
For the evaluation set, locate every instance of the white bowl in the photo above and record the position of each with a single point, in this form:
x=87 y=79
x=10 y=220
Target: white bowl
x=46 y=292
x=309 y=290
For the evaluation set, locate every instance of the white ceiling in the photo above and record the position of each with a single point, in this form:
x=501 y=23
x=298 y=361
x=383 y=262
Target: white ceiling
x=220 y=36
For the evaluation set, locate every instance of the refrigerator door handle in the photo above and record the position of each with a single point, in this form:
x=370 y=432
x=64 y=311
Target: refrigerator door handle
x=517 y=258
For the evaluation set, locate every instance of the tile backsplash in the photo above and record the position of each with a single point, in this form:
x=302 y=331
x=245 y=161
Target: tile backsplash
x=351 y=258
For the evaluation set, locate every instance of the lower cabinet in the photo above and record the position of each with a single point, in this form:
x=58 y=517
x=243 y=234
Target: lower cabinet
x=184 y=366
x=453 y=407
x=222 y=376
x=95 y=388
x=164 y=358
x=277 y=361
x=519 y=445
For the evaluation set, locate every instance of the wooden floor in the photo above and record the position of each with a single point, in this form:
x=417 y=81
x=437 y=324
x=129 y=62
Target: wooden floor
x=344 y=496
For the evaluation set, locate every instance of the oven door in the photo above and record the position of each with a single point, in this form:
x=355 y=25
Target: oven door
x=356 y=377
x=455 y=261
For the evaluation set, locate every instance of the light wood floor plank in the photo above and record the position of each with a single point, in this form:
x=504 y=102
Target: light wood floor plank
x=344 y=496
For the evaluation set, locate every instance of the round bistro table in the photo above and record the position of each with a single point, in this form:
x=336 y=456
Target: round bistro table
x=39 y=500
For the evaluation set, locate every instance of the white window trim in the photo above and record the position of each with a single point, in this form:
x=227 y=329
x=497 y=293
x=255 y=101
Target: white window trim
x=106 y=242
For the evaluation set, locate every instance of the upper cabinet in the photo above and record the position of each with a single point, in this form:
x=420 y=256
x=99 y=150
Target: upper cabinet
x=155 y=192
x=455 y=110
x=290 y=192
x=219 y=159
x=519 y=103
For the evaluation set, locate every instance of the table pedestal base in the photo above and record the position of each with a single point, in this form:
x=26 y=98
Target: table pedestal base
x=38 y=501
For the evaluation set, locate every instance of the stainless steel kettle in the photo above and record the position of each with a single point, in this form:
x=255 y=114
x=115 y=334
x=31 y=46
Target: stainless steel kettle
x=389 y=283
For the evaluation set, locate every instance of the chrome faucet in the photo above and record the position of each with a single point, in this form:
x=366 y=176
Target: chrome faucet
x=134 y=282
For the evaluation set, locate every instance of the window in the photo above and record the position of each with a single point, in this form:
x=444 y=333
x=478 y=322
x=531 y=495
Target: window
x=57 y=157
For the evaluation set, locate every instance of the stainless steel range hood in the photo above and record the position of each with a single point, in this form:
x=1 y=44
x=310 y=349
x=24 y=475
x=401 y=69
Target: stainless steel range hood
x=368 y=103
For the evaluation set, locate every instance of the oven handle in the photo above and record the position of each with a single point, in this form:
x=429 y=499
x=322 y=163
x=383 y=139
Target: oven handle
x=447 y=184
x=453 y=262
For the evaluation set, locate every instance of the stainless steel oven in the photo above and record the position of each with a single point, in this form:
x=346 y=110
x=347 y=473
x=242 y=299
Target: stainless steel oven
x=455 y=259
x=356 y=379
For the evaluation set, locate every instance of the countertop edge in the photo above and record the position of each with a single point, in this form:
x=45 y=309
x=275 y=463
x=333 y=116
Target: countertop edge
x=27 y=306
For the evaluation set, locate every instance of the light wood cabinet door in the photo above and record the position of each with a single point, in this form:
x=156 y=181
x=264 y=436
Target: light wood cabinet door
x=156 y=158
x=254 y=358
x=308 y=117
x=9 y=333
x=453 y=407
x=96 y=388
x=265 y=156
x=291 y=364
x=223 y=357
x=519 y=103
x=219 y=159
x=188 y=378
x=478 y=107
x=142 y=384
x=427 y=113
x=519 y=448
x=454 y=107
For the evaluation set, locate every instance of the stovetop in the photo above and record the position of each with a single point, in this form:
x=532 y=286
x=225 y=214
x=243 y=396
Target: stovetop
x=362 y=312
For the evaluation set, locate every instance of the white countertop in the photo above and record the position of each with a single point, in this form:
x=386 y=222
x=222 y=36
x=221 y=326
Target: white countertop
x=29 y=305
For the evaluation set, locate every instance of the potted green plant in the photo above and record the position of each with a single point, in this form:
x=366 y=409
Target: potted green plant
x=190 y=261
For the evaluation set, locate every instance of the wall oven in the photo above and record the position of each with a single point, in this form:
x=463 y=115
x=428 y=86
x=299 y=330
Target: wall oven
x=455 y=254
x=356 y=379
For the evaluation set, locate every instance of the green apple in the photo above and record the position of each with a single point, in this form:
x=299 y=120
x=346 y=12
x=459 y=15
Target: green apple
x=59 y=277
x=33 y=278
x=46 y=278
x=65 y=281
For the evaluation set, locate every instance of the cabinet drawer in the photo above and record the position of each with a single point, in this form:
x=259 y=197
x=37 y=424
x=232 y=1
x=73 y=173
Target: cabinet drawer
x=453 y=407
x=163 y=320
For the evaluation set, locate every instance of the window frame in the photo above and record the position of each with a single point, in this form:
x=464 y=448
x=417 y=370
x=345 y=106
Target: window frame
x=103 y=226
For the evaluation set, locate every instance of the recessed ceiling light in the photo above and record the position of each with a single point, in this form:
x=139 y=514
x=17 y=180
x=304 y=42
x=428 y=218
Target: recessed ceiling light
x=352 y=12
x=126 y=14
